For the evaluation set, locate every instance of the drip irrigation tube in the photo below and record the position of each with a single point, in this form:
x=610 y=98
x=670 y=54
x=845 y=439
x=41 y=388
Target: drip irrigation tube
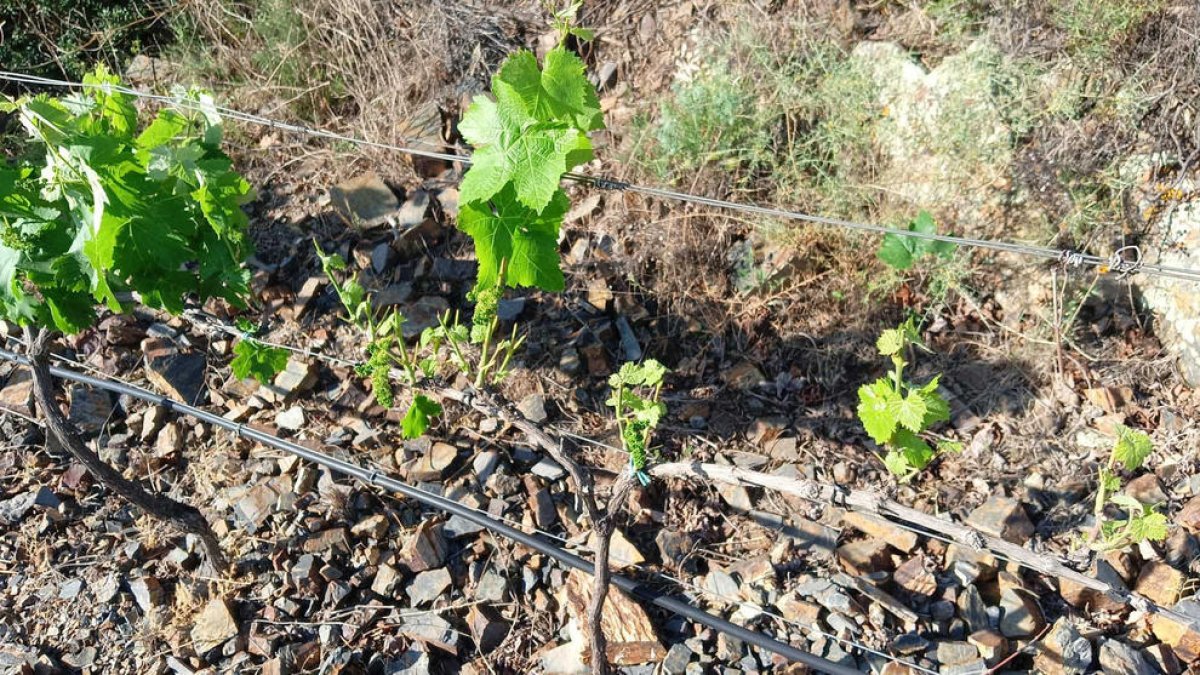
x=375 y=478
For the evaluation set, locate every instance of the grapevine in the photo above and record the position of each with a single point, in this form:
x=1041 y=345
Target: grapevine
x=95 y=214
x=894 y=411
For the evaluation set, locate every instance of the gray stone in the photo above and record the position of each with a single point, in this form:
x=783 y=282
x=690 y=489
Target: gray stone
x=414 y=209
x=674 y=546
x=107 y=589
x=14 y=509
x=84 y=658
x=951 y=101
x=1002 y=517
x=254 y=507
x=484 y=464
x=175 y=373
x=909 y=643
x=393 y=295
x=548 y=469
x=533 y=407
x=433 y=630
x=1118 y=658
x=296 y=378
x=147 y=592
x=386 y=580
x=305 y=568
x=491 y=587
x=291 y=419
x=70 y=589
x=382 y=257
x=457 y=526
x=509 y=309
x=365 y=201
x=213 y=626
x=1064 y=650
x=1022 y=615
x=428 y=586
x=721 y=585
x=421 y=314
x=411 y=662
x=1175 y=242
x=90 y=408
x=677 y=659
x=955 y=653
x=17 y=394
x=973 y=610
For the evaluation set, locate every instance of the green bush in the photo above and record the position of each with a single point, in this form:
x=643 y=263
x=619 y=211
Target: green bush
x=56 y=38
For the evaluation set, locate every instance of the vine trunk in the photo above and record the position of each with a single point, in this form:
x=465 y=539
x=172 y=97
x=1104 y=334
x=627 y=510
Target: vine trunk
x=184 y=517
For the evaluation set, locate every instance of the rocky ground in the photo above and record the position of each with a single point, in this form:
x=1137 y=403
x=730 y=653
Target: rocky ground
x=332 y=576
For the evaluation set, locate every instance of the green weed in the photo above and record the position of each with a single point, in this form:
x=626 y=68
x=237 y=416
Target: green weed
x=1095 y=29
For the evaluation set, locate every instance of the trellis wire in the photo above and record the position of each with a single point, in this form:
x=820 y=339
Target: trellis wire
x=1119 y=262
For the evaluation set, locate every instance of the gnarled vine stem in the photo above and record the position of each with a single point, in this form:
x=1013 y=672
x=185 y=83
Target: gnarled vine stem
x=184 y=517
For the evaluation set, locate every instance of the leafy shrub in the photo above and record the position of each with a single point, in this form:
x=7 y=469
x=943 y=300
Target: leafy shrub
x=894 y=411
x=94 y=210
x=56 y=38
x=1142 y=522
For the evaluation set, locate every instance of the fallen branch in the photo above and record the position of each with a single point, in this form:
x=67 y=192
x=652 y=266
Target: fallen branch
x=873 y=503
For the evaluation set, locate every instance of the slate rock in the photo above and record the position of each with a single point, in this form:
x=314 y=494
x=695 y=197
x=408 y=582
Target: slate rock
x=487 y=627
x=90 y=408
x=1022 y=615
x=1002 y=517
x=428 y=586
x=533 y=407
x=677 y=659
x=291 y=419
x=365 y=200
x=1118 y=658
x=175 y=373
x=1064 y=650
x=213 y=626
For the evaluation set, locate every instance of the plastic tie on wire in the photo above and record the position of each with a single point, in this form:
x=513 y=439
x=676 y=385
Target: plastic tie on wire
x=1121 y=266
x=1069 y=258
x=609 y=183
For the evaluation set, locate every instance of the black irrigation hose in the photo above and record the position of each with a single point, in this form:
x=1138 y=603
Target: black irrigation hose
x=375 y=478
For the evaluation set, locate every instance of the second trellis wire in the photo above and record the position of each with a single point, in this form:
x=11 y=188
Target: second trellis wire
x=1124 y=261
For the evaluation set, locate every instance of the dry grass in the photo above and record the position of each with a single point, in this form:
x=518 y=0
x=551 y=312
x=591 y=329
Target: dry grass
x=391 y=72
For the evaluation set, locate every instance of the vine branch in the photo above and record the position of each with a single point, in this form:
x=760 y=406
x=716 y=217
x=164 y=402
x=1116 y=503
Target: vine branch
x=184 y=517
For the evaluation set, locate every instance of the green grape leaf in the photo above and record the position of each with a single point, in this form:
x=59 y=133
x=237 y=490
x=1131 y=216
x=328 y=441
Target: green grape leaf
x=891 y=341
x=876 y=410
x=949 y=446
x=1151 y=526
x=896 y=464
x=510 y=232
x=910 y=411
x=901 y=252
x=925 y=224
x=533 y=160
x=895 y=251
x=416 y=420
x=560 y=92
x=936 y=407
x=480 y=124
x=254 y=359
x=1132 y=447
x=916 y=451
